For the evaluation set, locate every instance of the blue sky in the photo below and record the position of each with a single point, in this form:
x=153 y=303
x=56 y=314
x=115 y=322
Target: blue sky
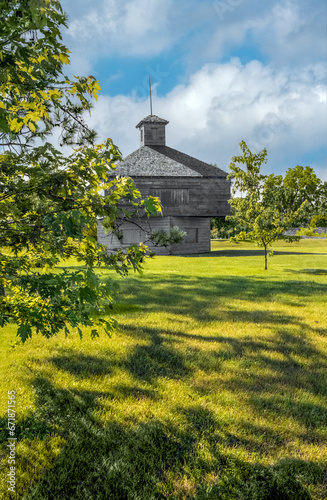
x=221 y=70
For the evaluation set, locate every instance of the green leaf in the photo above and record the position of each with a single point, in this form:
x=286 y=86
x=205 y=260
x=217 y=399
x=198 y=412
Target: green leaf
x=152 y=205
x=24 y=332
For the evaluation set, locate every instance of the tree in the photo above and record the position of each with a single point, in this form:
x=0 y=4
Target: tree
x=265 y=206
x=305 y=186
x=35 y=96
x=49 y=202
x=221 y=227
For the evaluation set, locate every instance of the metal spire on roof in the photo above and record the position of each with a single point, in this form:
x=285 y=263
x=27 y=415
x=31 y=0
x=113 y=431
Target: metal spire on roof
x=150 y=95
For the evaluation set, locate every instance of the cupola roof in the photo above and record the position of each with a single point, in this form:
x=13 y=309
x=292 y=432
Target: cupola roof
x=153 y=119
x=155 y=159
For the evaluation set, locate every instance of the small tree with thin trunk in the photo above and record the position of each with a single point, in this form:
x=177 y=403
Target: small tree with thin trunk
x=262 y=208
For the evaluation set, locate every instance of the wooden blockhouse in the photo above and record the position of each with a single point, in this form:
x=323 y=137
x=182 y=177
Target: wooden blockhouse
x=191 y=192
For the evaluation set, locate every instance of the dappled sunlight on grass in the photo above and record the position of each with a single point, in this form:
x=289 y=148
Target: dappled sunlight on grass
x=217 y=372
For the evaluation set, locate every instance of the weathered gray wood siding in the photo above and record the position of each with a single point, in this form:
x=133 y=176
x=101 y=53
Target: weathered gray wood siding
x=193 y=196
x=197 y=239
x=133 y=233
x=152 y=134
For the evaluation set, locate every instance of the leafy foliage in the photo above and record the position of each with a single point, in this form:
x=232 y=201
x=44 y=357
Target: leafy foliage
x=165 y=239
x=311 y=231
x=303 y=185
x=49 y=202
x=318 y=220
x=221 y=228
x=34 y=94
x=265 y=206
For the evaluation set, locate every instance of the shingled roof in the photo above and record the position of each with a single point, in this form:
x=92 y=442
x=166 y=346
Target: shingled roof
x=163 y=161
x=155 y=159
x=152 y=119
x=198 y=166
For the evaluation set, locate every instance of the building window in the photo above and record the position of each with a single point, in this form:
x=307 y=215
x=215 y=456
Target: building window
x=192 y=234
x=141 y=134
x=171 y=197
x=133 y=236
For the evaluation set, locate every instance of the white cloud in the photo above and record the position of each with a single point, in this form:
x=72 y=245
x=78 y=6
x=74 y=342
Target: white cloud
x=281 y=31
x=293 y=31
x=280 y=104
x=112 y=27
x=224 y=103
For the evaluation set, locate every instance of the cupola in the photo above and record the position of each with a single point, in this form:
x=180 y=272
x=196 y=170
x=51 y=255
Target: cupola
x=152 y=131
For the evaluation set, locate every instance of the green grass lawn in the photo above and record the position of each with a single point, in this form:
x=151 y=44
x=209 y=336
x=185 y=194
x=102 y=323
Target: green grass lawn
x=213 y=387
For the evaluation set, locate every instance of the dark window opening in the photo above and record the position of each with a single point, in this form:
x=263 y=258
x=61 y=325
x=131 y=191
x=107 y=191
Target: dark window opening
x=192 y=235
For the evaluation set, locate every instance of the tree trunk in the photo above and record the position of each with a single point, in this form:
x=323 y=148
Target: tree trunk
x=266 y=267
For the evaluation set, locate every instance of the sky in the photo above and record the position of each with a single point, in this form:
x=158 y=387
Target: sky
x=222 y=71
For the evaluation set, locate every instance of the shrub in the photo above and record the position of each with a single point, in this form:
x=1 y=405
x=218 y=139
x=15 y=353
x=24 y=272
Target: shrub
x=318 y=220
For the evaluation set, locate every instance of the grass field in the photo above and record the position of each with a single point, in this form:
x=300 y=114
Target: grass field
x=213 y=387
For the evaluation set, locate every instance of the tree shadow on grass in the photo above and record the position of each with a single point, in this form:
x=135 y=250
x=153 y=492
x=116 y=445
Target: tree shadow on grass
x=279 y=353
x=279 y=376
x=81 y=365
x=100 y=460
x=281 y=385
x=114 y=460
x=156 y=360
x=308 y=271
x=218 y=434
x=206 y=298
x=121 y=459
